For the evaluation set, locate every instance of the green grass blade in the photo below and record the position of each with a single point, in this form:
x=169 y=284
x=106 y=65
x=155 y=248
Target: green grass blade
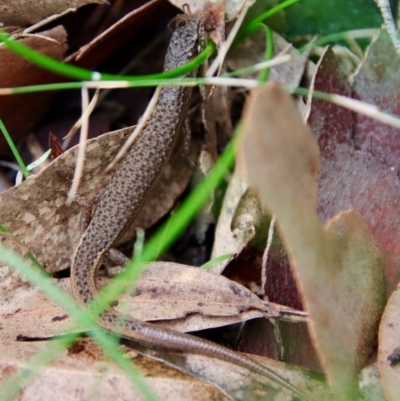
x=14 y=149
x=80 y=315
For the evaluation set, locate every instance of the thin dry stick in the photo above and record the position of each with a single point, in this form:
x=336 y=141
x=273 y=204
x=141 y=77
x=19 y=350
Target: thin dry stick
x=265 y=255
x=82 y=148
x=351 y=104
x=86 y=114
x=278 y=60
x=23 y=249
x=368 y=110
x=227 y=44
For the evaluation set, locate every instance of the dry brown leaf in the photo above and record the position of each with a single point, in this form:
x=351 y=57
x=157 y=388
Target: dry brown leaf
x=92 y=53
x=238 y=384
x=180 y=297
x=17 y=71
x=389 y=347
x=36 y=214
x=24 y=12
x=81 y=373
x=338 y=267
x=26 y=313
x=169 y=291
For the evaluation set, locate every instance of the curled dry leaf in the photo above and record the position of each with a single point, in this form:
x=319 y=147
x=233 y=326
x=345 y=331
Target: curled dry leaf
x=24 y=12
x=170 y=291
x=20 y=112
x=36 y=214
x=338 y=267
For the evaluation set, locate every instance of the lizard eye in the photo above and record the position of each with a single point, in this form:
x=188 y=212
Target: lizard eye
x=179 y=21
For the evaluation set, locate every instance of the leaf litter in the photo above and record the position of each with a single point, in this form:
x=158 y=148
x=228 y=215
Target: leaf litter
x=344 y=223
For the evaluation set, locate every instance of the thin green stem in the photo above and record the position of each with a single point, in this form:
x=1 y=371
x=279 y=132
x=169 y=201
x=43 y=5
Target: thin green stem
x=268 y=54
x=340 y=36
x=211 y=263
x=82 y=74
x=252 y=26
x=14 y=150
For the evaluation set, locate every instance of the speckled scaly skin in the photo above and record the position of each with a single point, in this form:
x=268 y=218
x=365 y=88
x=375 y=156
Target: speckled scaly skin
x=123 y=199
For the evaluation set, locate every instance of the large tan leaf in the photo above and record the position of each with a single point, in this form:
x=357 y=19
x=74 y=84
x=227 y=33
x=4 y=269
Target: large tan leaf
x=338 y=267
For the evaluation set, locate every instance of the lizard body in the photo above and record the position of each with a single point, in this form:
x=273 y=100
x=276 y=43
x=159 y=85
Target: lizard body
x=123 y=199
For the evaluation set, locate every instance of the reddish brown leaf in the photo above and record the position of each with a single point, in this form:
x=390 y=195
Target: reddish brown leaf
x=350 y=179
x=20 y=112
x=378 y=83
